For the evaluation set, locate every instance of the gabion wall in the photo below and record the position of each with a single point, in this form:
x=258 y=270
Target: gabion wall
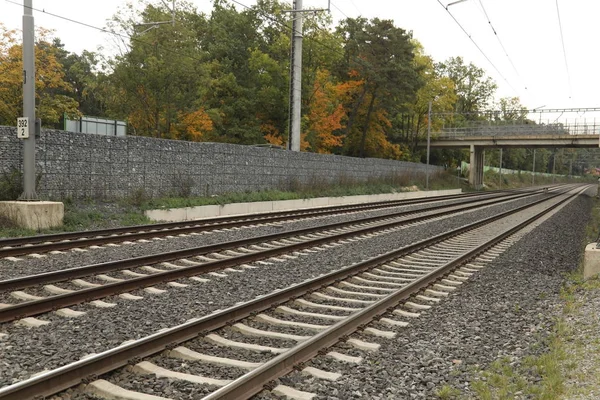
x=80 y=165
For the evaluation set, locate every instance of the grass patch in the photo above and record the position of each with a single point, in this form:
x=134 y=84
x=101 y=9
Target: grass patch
x=580 y=335
x=549 y=376
x=493 y=180
x=88 y=215
x=295 y=191
x=540 y=377
x=99 y=214
x=77 y=219
x=447 y=392
x=592 y=229
x=8 y=228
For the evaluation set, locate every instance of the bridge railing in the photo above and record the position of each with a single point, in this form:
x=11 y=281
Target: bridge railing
x=508 y=129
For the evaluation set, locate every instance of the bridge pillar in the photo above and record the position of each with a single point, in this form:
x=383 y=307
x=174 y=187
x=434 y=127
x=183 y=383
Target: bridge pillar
x=476 y=167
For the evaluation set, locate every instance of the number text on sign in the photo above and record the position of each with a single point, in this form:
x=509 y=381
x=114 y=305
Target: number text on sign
x=23 y=128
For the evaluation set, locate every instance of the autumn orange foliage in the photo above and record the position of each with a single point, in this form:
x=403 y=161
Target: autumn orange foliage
x=271 y=134
x=326 y=113
x=195 y=124
x=141 y=118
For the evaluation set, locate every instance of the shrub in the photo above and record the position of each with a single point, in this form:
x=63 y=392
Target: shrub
x=182 y=185
x=11 y=184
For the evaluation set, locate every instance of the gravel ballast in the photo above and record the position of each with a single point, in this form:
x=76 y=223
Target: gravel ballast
x=69 y=259
x=505 y=310
x=28 y=351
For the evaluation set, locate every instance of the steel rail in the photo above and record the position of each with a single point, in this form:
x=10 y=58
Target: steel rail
x=43 y=243
x=52 y=382
x=79 y=272
x=253 y=382
x=51 y=303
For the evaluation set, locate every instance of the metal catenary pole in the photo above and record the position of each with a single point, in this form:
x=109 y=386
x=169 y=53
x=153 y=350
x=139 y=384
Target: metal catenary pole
x=29 y=102
x=428 y=147
x=500 y=167
x=553 y=165
x=296 y=78
x=533 y=170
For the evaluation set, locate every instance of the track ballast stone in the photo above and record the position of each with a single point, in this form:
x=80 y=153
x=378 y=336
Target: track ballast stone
x=505 y=310
x=53 y=262
x=29 y=351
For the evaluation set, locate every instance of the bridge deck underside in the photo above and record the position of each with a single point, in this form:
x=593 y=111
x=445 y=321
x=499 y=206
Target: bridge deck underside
x=539 y=141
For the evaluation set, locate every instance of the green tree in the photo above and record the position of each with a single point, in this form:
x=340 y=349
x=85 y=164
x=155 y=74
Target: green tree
x=473 y=88
x=437 y=89
x=82 y=73
x=381 y=55
x=159 y=74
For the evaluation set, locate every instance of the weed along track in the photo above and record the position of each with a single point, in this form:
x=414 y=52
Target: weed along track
x=29 y=296
x=342 y=315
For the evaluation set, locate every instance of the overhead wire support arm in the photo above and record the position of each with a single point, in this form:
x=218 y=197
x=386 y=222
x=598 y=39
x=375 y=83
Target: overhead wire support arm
x=154 y=25
x=455 y=2
x=474 y=42
x=328 y=9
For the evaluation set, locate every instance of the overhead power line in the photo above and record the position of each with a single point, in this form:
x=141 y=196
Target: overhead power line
x=500 y=42
x=110 y=32
x=339 y=9
x=477 y=46
x=355 y=6
x=562 y=39
x=355 y=59
x=132 y=38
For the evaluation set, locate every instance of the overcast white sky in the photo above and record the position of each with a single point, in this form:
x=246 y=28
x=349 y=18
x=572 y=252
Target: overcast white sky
x=528 y=29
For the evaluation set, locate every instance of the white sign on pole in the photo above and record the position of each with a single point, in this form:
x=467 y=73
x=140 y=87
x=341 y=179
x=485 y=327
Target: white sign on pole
x=23 y=128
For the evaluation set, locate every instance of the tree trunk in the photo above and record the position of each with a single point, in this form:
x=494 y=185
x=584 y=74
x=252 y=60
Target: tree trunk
x=156 y=122
x=354 y=111
x=363 y=139
x=415 y=135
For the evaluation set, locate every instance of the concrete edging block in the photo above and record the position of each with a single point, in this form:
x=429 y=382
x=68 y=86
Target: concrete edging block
x=191 y=213
x=35 y=215
x=288 y=205
x=591 y=261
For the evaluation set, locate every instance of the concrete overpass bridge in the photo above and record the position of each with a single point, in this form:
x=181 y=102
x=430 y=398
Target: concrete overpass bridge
x=486 y=135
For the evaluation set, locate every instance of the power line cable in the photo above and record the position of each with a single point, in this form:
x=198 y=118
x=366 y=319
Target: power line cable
x=132 y=37
x=337 y=8
x=356 y=60
x=500 y=42
x=111 y=32
x=562 y=38
x=476 y=45
x=355 y=6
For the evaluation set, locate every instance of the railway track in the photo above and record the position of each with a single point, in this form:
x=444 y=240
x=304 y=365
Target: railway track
x=38 y=294
x=342 y=301
x=15 y=247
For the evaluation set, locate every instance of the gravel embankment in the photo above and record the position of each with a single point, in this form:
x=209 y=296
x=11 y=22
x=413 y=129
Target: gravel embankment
x=503 y=311
x=583 y=382
x=28 y=351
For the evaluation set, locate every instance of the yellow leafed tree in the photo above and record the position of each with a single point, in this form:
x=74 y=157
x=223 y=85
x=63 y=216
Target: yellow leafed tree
x=194 y=125
x=49 y=79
